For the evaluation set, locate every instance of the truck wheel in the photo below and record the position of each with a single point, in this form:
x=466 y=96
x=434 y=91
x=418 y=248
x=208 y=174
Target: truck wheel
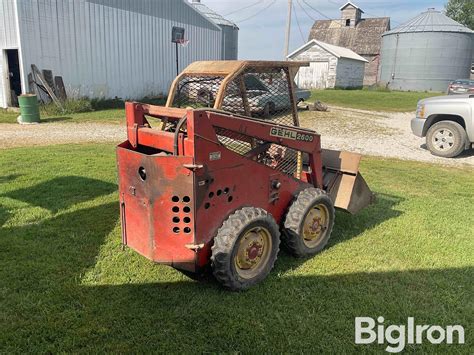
x=308 y=223
x=245 y=248
x=446 y=139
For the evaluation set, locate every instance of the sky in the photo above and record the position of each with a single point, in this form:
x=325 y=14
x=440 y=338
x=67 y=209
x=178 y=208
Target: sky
x=262 y=23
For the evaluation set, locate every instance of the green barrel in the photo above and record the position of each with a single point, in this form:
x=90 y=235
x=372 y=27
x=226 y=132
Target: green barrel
x=29 y=108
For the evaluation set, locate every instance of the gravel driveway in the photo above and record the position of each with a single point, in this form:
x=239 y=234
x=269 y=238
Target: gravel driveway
x=375 y=133
x=371 y=133
x=15 y=135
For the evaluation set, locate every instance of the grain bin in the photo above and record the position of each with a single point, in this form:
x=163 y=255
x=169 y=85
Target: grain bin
x=426 y=53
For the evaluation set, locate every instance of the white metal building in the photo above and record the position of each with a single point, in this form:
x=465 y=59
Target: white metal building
x=330 y=66
x=101 y=48
x=230 y=31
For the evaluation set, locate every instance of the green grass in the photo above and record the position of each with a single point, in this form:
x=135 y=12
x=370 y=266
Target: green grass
x=104 y=116
x=105 y=111
x=66 y=285
x=373 y=100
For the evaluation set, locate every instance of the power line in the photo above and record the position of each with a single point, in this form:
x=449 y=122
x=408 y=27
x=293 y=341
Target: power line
x=298 y=23
x=314 y=9
x=243 y=8
x=304 y=10
x=258 y=12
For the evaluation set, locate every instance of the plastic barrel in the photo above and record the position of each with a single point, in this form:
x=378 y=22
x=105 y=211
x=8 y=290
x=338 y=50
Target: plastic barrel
x=29 y=108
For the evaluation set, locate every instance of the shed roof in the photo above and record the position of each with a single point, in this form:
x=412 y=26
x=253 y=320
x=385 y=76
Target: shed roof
x=349 y=4
x=212 y=15
x=339 y=52
x=430 y=21
x=365 y=38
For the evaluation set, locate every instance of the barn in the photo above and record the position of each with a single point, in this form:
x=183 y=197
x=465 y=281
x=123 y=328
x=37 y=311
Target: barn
x=330 y=66
x=101 y=48
x=353 y=31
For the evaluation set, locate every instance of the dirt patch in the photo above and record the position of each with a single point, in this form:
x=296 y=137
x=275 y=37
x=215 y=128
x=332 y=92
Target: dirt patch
x=383 y=134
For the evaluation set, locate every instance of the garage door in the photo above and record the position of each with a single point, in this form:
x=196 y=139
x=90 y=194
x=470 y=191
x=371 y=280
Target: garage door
x=313 y=77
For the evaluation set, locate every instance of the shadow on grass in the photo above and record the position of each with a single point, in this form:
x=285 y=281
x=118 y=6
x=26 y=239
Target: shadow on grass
x=464 y=154
x=309 y=314
x=4 y=215
x=9 y=178
x=62 y=192
x=46 y=307
x=349 y=226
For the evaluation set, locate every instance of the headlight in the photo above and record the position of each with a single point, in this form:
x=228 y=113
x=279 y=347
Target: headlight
x=420 y=111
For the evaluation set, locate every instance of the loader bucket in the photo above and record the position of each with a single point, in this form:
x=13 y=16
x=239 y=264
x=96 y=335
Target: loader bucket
x=343 y=182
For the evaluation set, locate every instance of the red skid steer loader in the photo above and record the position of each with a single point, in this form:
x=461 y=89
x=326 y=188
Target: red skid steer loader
x=223 y=172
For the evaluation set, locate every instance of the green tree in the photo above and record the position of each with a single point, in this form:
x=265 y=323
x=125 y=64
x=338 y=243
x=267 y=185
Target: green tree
x=461 y=11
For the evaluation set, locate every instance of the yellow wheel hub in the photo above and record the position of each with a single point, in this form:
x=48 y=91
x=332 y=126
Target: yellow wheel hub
x=253 y=252
x=315 y=225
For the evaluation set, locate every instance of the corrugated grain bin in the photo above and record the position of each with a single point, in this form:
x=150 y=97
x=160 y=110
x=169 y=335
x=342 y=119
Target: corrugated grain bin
x=426 y=53
x=29 y=109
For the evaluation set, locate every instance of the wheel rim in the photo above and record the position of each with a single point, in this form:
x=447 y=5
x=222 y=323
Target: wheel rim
x=443 y=139
x=253 y=252
x=315 y=225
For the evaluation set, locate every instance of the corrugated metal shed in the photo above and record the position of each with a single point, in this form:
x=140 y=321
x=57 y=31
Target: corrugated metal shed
x=212 y=15
x=230 y=31
x=8 y=25
x=110 y=48
x=9 y=39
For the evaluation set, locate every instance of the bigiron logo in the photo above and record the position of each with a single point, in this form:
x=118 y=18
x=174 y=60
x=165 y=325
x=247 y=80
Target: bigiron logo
x=398 y=336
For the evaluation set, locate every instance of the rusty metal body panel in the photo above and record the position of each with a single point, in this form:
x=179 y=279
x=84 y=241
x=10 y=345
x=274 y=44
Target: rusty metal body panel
x=173 y=204
x=181 y=178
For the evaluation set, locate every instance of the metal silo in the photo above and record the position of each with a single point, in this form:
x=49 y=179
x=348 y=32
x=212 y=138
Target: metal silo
x=426 y=53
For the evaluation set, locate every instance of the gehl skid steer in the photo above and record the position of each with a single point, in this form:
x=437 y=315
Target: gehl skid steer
x=223 y=172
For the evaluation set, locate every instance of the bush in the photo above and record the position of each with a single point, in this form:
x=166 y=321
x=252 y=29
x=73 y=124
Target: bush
x=105 y=104
x=69 y=106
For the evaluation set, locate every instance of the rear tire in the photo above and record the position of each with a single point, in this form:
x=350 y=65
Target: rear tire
x=308 y=223
x=446 y=139
x=245 y=248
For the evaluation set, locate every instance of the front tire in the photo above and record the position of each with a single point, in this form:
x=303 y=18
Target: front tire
x=446 y=139
x=308 y=223
x=245 y=248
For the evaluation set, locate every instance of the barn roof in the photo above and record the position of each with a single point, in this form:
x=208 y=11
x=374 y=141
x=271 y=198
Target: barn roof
x=212 y=15
x=339 y=52
x=430 y=21
x=365 y=38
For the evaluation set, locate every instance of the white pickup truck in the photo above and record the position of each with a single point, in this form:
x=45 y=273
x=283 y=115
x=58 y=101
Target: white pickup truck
x=447 y=122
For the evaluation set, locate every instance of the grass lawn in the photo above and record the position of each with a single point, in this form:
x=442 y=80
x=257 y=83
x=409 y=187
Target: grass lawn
x=104 y=116
x=372 y=100
x=66 y=285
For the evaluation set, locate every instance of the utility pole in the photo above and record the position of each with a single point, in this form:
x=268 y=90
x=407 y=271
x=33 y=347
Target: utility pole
x=288 y=28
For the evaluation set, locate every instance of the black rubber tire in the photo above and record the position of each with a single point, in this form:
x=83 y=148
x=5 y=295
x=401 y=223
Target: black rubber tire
x=294 y=220
x=459 y=136
x=226 y=242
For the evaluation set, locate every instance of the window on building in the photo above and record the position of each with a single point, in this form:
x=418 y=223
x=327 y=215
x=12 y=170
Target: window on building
x=348 y=22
